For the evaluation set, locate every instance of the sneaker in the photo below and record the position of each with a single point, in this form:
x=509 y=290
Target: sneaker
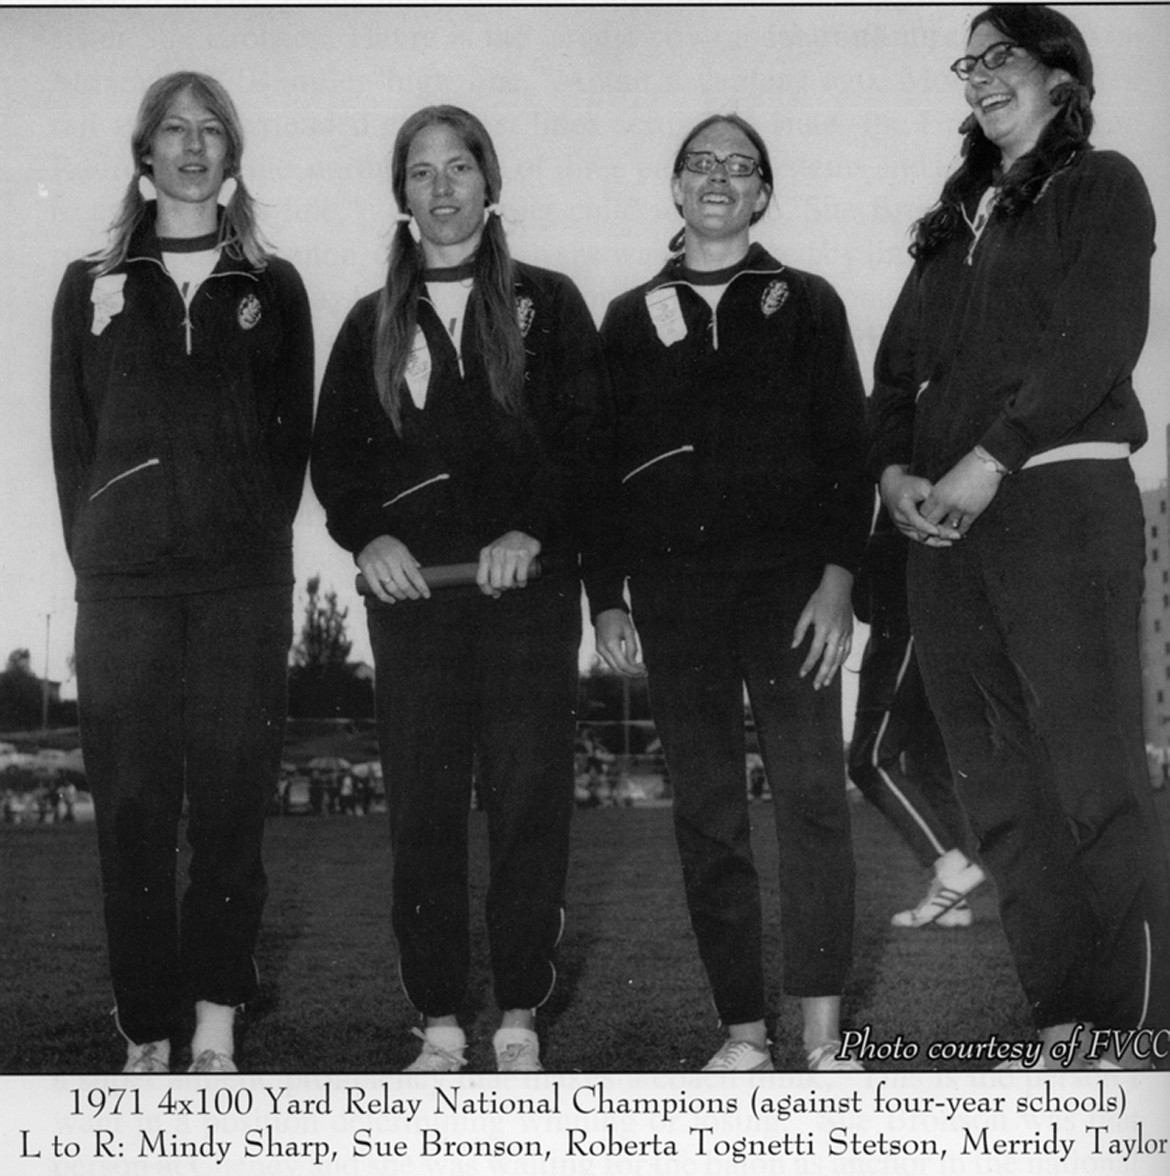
x=740 y=1056
x=824 y=1059
x=211 y=1061
x=145 y=1059
x=944 y=904
x=517 y=1051
x=928 y=914
x=437 y=1059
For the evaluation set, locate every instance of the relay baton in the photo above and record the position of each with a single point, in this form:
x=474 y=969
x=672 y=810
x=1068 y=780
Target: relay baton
x=460 y=575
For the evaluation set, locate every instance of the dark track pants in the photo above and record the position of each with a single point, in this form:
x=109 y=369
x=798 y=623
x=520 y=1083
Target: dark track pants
x=182 y=695
x=897 y=757
x=1027 y=636
x=466 y=682
x=704 y=636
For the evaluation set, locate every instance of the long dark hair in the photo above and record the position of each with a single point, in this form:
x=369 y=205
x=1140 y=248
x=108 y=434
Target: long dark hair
x=239 y=236
x=741 y=124
x=1056 y=43
x=493 y=294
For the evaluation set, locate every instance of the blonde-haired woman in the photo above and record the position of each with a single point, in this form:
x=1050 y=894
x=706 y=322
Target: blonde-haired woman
x=182 y=385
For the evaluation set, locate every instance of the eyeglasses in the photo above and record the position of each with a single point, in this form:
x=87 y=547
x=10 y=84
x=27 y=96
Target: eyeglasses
x=992 y=58
x=703 y=163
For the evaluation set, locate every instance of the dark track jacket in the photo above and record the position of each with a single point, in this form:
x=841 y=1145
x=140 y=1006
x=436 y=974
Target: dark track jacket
x=180 y=441
x=1027 y=340
x=464 y=472
x=741 y=434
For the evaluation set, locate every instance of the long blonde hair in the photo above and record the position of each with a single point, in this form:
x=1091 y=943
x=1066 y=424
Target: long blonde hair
x=239 y=236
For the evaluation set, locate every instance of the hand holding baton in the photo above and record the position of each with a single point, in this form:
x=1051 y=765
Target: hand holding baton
x=460 y=575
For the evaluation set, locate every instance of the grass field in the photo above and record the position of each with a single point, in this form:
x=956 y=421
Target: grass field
x=631 y=995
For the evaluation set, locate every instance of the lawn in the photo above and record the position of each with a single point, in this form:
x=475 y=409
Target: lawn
x=631 y=995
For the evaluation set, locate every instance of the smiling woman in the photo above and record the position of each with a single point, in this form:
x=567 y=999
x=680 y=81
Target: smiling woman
x=446 y=193
x=1004 y=414
x=1010 y=91
x=461 y=419
x=722 y=185
x=743 y=508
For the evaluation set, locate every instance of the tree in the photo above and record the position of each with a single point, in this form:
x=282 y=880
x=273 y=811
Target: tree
x=322 y=682
x=323 y=641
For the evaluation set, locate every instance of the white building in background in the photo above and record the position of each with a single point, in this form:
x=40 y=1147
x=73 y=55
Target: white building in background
x=1155 y=617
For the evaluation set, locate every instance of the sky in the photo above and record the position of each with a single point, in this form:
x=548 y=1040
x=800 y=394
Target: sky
x=586 y=106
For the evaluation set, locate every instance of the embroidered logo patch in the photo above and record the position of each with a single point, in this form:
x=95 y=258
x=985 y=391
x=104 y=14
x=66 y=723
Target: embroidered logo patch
x=525 y=313
x=108 y=300
x=248 y=312
x=774 y=296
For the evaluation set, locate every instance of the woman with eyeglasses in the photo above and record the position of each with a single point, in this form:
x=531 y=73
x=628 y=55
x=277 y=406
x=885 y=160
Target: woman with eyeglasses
x=1004 y=412
x=182 y=405
x=743 y=510
x=458 y=422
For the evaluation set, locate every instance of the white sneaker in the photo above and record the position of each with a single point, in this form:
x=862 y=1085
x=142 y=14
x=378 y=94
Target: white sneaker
x=929 y=913
x=944 y=904
x=145 y=1058
x=742 y=1056
x=824 y=1060
x=437 y=1059
x=212 y=1061
x=517 y=1051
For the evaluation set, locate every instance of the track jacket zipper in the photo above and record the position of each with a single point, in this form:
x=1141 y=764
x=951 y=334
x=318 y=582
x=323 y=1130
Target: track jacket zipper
x=715 y=309
x=187 y=324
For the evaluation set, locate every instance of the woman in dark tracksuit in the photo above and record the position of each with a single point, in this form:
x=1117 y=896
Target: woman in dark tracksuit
x=744 y=506
x=182 y=399
x=1004 y=413
x=897 y=757
x=457 y=422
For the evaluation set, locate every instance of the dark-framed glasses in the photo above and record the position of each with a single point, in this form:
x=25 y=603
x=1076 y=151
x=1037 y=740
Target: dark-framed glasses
x=992 y=58
x=703 y=163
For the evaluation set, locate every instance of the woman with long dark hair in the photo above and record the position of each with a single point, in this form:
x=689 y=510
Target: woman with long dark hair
x=1004 y=411
x=182 y=399
x=744 y=507
x=457 y=423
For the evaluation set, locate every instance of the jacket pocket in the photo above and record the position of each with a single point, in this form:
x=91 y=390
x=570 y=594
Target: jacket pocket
x=661 y=499
x=142 y=465
x=425 y=484
x=653 y=461
x=421 y=508
x=125 y=520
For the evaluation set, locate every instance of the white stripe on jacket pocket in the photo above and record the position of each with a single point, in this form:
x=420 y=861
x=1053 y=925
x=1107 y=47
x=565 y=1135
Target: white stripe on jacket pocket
x=419 y=486
x=654 y=460
x=124 y=474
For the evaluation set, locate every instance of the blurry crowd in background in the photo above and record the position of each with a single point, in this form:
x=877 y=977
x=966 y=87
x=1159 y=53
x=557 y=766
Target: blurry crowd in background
x=47 y=786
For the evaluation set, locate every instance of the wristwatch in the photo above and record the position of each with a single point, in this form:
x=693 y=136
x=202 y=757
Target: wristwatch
x=988 y=462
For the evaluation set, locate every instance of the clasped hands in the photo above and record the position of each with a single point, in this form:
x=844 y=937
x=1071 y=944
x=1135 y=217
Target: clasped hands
x=939 y=513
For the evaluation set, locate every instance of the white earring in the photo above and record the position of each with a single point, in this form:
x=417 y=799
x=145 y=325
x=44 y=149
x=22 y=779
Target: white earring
x=228 y=190
x=146 y=188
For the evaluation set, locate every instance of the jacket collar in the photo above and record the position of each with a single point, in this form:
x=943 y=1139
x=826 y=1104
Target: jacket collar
x=144 y=247
x=757 y=260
